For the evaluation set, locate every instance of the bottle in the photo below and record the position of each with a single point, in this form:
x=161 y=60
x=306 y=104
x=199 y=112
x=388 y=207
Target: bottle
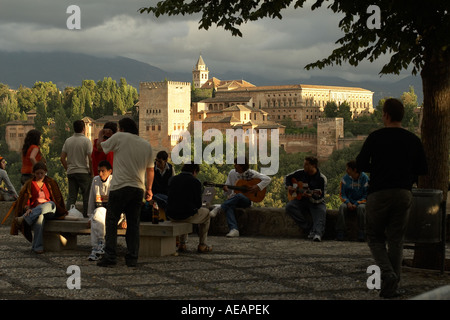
x=155 y=215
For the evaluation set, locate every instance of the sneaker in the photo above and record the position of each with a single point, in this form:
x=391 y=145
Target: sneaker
x=233 y=233
x=99 y=249
x=213 y=213
x=93 y=257
x=317 y=238
x=311 y=235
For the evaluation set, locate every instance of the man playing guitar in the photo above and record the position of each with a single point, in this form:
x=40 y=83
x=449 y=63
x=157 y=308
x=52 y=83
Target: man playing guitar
x=308 y=185
x=239 y=199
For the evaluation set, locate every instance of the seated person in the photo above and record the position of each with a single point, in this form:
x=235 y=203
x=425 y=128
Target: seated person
x=312 y=201
x=239 y=200
x=10 y=193
x=163 y=172
x=353 y=193
x=184 y=203
x=98 y=200
x=40 y=199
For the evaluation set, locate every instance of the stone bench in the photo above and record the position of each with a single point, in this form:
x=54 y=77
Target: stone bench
x=156 y=240
x=274 y=222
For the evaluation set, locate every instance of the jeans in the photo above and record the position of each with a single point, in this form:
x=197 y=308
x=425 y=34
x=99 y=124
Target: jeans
x=387 y=213
x=344 y=212
x=127 y=200
x=297 y=209
x=161 y=200
x=237 y=201
x=36 y=219
x=79 y=182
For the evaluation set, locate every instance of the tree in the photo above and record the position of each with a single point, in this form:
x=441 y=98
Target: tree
x=330 y=110
x=411 y=33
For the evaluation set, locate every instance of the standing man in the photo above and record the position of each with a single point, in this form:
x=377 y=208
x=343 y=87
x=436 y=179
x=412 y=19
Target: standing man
x=394 y=157
x=353 y=194
x=76 y=160
x=312 y=199
x=133 y=175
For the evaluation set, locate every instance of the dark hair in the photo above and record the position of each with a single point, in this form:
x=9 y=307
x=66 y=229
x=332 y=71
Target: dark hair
x=162 y=155
x=352 y=165
x=111 y=125
x=128 y=125
x=244 y=165
x=40 y=166
x=78 y=126
x=312 y=161
x=33 y=137
x=190 y=167
x=106 y=164
x=394 y=108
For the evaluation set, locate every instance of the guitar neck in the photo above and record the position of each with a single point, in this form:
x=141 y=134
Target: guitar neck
x=231 y=187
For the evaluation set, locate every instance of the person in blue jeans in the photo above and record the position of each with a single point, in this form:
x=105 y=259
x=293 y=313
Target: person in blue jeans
x=239 y=200
x=40 y=199
x=310 y=199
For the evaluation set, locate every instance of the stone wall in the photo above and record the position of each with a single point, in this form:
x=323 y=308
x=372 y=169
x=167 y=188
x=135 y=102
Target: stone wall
x=271 y=222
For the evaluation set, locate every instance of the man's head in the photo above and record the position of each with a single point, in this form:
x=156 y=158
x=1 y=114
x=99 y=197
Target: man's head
x=78 y=126
x=161 y=159
x=104 y=170
x=128 y=125
x=193 y=168
x=310 y=165
x=393 y=110
x=241 y=167
x=352 y=170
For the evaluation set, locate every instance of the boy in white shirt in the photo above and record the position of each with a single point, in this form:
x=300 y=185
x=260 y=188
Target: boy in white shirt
x=98 y=199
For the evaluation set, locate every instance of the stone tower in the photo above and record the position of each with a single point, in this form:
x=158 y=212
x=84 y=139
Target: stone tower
x=329 y=130
x=200 y=73
x=164 y=112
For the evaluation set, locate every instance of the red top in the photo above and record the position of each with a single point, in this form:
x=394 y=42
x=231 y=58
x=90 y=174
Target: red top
x=27 y=165
x=38 y=195
x=98 y=156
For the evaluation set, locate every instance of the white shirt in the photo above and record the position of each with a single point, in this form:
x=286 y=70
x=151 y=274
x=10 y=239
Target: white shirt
x=250 y=174
x=99 y=193
x=132 y=156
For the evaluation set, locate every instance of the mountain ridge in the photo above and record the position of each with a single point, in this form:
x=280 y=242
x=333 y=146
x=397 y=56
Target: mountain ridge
x=70 y=69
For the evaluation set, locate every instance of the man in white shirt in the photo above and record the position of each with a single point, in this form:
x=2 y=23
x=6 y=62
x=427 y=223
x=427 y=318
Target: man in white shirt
x=239 y=200
x=133 y=174
x=76 y=160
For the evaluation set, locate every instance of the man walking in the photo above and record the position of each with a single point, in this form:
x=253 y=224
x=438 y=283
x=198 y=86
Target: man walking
x=394 y=157
x=76 y=160
x=133 y=175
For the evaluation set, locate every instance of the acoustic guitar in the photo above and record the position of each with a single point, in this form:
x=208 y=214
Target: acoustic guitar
x=243 y=186
x=299 y=191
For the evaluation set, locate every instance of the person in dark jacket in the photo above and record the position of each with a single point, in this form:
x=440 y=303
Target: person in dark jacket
x=163 y=172
x=308 y=186
x=394 y=157
x=184 y=203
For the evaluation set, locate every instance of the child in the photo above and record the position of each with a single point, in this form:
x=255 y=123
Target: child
x=98 y=200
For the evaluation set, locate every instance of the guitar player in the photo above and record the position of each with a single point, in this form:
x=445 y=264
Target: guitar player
x=238 y=199
x=310 y=198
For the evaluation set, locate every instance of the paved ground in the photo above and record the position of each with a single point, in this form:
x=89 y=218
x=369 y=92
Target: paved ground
x=245 y=268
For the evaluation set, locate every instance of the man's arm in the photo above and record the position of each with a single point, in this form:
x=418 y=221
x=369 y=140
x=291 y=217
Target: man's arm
x=149 y=183
x=63 y=160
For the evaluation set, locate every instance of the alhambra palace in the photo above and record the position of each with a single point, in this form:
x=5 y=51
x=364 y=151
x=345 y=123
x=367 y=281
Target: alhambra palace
x=166 y=111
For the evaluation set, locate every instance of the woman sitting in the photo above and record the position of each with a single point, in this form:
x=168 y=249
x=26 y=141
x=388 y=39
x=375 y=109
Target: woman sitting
x=40 y=199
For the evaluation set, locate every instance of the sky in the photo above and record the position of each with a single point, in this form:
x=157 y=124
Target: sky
x=270 y=48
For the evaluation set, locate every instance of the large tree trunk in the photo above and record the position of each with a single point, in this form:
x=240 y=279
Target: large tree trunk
x=435 y=134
